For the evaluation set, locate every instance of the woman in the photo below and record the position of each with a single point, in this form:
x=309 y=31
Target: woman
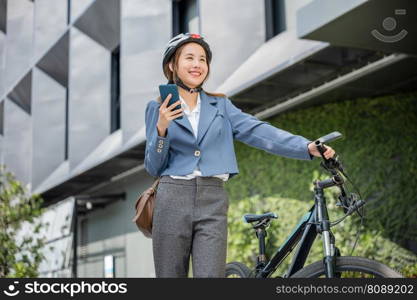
x=194 y=156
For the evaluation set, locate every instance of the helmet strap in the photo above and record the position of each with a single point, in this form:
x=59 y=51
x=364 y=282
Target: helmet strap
x=179 y=82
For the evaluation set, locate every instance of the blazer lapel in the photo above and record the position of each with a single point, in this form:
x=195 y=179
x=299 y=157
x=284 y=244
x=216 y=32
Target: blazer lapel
x=207 y=114
x=184 y=122
x=208 y=111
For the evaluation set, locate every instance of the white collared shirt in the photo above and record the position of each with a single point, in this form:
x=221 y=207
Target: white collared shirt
x=194 y=117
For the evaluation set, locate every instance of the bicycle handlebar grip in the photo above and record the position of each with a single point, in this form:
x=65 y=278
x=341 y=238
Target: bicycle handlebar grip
x=330 y=137
x=321 y=148
x=325 y=139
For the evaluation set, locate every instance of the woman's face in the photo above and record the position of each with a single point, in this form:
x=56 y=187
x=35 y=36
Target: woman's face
x=192 y=65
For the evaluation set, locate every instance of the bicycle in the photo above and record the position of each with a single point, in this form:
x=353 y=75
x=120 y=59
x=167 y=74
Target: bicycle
x=315 y=221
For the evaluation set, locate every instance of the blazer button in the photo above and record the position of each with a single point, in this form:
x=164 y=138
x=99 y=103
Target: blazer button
x=197 y=153
x=159 y=150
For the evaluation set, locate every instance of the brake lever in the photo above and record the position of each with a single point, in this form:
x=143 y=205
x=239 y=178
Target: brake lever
x=332 y=164
x=344 y=202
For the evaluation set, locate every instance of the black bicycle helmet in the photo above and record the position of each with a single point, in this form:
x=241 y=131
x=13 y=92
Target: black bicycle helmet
x=176 y=42
x=179 y=40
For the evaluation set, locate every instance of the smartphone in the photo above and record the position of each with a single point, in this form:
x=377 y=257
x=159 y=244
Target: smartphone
x=165 y=90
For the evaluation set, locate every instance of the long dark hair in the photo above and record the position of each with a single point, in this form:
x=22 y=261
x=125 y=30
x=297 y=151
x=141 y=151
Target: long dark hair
x=172 y=75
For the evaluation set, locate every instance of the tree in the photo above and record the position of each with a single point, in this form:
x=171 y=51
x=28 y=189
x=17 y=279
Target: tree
x=20 y=253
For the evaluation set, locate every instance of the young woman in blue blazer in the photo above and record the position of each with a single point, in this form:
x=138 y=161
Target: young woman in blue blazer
x=194 y=156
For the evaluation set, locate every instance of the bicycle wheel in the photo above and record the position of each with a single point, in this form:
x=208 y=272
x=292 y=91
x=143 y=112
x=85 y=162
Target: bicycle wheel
x=237 y=270
x=350 y=267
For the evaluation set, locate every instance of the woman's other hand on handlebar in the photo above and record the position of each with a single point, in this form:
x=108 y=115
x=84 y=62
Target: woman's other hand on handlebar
x=312 y=149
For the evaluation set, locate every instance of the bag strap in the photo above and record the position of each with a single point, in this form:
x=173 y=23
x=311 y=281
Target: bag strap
x=154 y=185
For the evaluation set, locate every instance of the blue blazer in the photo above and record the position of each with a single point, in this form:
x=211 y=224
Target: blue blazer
x=220 y=123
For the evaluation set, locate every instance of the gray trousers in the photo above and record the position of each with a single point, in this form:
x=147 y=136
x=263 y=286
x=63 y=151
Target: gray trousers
x=190 y=219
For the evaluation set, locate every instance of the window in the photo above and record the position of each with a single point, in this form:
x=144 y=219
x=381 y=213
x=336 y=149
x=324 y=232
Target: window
x=68 y=11
x=3 y=16
x=1 y=117
x=66 y=123
x=274 y=17
x=115 y=90
x=84 y=238
x=185 y=17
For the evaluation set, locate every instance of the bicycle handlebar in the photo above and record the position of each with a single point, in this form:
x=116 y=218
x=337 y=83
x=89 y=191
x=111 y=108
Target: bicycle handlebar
x=334 y=166
x=329 y=137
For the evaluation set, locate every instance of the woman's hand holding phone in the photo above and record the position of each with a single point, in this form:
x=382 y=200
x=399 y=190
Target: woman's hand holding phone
x=167 y=114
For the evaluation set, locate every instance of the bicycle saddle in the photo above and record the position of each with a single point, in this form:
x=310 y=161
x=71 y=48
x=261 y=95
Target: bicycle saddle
x=249 y=218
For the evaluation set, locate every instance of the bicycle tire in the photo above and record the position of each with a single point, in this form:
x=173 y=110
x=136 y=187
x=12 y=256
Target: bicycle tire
x=349 y=263
x=237 y=268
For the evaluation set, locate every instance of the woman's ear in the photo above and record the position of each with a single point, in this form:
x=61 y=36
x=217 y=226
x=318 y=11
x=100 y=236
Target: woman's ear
x=170 y=67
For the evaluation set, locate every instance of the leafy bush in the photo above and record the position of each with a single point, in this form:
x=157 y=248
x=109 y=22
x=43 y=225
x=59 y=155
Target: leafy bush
x=243 y=245
x=378 y=151
x=20 y=255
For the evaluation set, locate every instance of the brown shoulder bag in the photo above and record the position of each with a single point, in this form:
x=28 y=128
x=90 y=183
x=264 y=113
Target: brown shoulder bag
x=144 y=209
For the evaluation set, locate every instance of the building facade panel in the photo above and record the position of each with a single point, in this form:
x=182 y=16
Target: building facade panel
x=78 y=7
x=17 y=141
x=50 y=24
x=48 y=98
x=89 y=96
x=234 y=29
x=19 y=40
x=145 y=30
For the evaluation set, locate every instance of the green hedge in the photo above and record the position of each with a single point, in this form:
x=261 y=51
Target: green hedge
x=378 y=152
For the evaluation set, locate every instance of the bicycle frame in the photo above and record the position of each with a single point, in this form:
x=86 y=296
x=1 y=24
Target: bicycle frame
x=305 y=232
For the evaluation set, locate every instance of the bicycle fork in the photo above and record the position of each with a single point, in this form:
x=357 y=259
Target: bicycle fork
x=323 y=226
